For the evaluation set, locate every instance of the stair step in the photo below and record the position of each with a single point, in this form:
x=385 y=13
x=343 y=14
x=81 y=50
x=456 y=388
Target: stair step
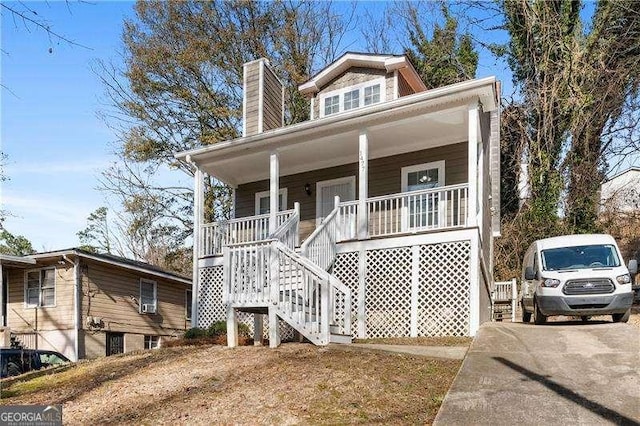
x=342 y=339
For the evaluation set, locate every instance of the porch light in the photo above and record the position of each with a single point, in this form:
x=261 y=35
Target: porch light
x=307 y=189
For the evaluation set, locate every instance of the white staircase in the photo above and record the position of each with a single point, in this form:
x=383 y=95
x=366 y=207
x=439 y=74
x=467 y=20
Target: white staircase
x=268 y=275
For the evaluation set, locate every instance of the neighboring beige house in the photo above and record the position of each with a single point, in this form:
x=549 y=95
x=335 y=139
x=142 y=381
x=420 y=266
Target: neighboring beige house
x=87 y=305
x=621 y=192
x=375 y=218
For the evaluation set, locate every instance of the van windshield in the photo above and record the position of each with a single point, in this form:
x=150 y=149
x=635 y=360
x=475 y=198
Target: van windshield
x=580 y=257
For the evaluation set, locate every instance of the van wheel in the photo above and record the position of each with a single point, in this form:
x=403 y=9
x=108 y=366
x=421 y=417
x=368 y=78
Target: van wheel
x=526 y=316
x=622 y=317
x=538 y=318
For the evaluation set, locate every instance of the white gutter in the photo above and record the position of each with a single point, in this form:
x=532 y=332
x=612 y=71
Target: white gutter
x=76 y=303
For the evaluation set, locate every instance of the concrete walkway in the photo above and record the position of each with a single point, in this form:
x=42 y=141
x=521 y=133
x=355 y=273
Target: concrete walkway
x=523 y=374
x=447 y=352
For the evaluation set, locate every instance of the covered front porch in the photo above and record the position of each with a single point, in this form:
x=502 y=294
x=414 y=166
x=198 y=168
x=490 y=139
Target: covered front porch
x=373 y=214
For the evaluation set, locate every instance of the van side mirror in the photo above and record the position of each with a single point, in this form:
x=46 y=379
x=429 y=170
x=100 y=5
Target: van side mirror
x=529 y=273
x=633 y=267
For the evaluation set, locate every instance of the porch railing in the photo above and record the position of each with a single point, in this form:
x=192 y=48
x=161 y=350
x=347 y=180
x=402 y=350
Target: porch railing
x=418 y=210
x=242 y=230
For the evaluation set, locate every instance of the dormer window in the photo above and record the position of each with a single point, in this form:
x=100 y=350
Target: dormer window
x=352 y=97
x=372 y=94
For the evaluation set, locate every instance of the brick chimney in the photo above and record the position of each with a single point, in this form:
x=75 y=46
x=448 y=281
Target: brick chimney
x=263 y=98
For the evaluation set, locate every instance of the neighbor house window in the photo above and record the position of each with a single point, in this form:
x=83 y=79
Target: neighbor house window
x=188 y=295
x=331 y=105
x=151 y=342
x=148 y=296
x=352 y=97
x=40 y=287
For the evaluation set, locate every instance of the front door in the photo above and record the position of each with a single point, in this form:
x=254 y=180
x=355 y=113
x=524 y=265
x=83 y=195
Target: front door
x=326 y=192
x=422 y=210
x=115 y=343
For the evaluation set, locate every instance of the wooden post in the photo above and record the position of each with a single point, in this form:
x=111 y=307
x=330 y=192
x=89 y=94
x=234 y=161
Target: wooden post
x=274 y=190
x=274 y=331
x=198 y=215
x=232 y=327
x=415 y=284
x=472 y=164
x=296 y=207
x=258 y=321
x=363 y=186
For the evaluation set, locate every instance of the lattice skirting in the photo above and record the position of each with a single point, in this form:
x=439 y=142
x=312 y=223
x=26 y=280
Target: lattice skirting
x=211 y=309
x=409 y=291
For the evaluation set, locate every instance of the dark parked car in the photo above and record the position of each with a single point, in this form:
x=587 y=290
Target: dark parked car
x=14 y=362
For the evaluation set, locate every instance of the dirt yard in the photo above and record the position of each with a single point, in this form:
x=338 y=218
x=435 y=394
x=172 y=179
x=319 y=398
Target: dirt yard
x=296 y=383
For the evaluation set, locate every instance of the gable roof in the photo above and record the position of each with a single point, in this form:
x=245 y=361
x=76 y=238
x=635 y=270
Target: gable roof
x=122 y=262
x=366 y=60
x=624 y=172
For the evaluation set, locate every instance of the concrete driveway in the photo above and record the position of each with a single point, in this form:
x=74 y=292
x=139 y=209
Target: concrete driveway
x=561 y=373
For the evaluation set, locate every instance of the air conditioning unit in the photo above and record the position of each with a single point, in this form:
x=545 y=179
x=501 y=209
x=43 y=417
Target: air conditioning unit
x=148 y=308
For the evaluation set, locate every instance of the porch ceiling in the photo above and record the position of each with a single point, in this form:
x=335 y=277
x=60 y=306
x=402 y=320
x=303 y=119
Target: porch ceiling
x=423 y=120
x=334 y=147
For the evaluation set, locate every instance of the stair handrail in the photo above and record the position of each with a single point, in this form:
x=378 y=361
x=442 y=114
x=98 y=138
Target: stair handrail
x=328 y=282
x=321 y=246
x=288 y=231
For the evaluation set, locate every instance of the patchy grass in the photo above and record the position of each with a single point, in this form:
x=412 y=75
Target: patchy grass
x=420 y=341
x=296 y=383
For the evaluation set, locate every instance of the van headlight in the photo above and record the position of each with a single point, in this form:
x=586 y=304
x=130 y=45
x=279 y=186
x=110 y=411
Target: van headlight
x=550 y=282
x=624 y=279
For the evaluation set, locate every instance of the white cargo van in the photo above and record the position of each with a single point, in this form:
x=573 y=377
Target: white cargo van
x=576 y=275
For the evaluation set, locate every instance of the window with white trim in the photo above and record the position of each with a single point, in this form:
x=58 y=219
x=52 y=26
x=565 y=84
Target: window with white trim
x=148 y=296
x=40 y=287
x=331 y=105
x=363 y=94
x=151 y=342
x=372 y=95
x=262 y=201
x=424 y=210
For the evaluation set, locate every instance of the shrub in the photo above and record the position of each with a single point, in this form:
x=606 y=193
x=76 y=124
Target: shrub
x=195 y=333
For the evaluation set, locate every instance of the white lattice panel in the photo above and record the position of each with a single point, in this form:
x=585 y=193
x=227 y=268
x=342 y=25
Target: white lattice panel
x=345 y=268
x=210 y=307
x=388 y=292
x=444 y=289
x=286 y=331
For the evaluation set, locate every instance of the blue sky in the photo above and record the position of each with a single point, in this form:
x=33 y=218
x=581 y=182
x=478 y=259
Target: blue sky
x=56 y=144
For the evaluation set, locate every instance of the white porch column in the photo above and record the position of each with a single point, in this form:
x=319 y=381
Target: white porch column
x=274 y=189
x=363 y=185
x=198 y=217
x=472 y=166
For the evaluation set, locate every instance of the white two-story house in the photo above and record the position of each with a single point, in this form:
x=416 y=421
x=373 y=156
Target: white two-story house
x=375 y=218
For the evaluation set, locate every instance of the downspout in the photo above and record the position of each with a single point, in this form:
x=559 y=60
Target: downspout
x=76 y=302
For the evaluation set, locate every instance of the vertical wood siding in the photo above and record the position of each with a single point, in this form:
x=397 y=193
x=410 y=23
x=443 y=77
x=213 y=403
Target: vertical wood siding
x=403 y=87
x=272 y=103
x=252 y=92
x=384 y=178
